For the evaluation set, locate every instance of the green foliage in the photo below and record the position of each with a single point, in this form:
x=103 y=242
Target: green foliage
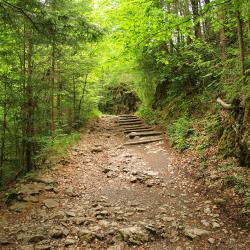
x=48 y=83
x=147 y=114
x=56 y=148
x=237 y=182
x=179 y=133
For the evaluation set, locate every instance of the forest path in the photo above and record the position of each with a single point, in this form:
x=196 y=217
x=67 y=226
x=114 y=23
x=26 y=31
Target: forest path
x=105 y=195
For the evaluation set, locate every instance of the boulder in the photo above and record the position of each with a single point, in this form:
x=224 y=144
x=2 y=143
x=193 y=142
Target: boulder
x=193 y=232
x=134 y=235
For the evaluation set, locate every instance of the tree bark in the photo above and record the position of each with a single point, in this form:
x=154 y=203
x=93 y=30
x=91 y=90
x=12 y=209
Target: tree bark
x=241 y=42
x=30 y=108
x=222 y=44
x=52 y=78
x=197 y=25
x=82 y=97
x=3 y=135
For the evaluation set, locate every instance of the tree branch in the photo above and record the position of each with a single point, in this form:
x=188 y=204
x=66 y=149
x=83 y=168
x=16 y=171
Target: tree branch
x=188 y=19
x=21 y=11
x=223 y=104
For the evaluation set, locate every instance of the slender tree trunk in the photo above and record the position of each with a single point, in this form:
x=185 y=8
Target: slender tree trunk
x=207 y=31
x=3 y=135
x=30 y=109
x=52 y=75
x=222 y=44
x=58 y=105
x=23 y=66
x=197 y=25
x=241 y=42
x=82 y=97
x=74 y=100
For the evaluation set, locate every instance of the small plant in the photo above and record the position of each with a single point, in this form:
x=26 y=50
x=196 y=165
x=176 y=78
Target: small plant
x=147 y=114
x=179 y=133
x=236 y=182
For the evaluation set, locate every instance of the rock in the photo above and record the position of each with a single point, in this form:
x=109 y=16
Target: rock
x=140 y=209
x=211 y=240
x=117 y=247
x=80 y=220
x=70 y=214
x=69 y=242
x=179 y=248
x=30 y=198
x=86 y=235
x=42 y=247
x=104 y=223
x=106 y=170
x=26 y=247
x=219 y=202
x=102 y=214
x=36 y=238
x=134 y=235
x=49 y=188
x=58 y=233
x=207 y=210
x=214 y=177
x=133 y=179
x=168 y=219
x=31 y=189
x=51 y=203
x=58 y=215
x=71 y=192
x=193 y=233
x=4 y=241
x=20 y=206
x=97 y=149
x=44 y=180
x=215 y=224
x=205 y=223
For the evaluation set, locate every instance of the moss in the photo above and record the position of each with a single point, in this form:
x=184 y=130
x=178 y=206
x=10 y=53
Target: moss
x=227 y=143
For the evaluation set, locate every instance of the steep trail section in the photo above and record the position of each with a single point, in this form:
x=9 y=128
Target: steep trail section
x=105 y=195
x=138 y=131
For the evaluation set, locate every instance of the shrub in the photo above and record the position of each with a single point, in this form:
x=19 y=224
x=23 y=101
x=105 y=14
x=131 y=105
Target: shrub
x=179 y=132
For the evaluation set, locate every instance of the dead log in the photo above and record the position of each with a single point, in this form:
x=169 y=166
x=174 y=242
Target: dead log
x=223 y=104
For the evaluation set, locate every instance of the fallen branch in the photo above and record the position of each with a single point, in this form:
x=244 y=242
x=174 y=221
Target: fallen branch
x=223 y=104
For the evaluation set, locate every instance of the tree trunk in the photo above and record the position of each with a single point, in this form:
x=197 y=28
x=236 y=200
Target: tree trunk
x=197 y=25
x=222 y=44
x=241 y=42
x=74 y=100
x=30 y=109
x=52 y=78
x=59 y=102
x=3 y=135
x=207 y=31
x=82 y=97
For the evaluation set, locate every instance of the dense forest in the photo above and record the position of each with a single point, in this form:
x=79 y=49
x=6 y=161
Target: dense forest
x=181 y=64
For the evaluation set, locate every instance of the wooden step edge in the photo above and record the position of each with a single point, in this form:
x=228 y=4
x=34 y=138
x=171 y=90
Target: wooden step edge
x=144 y=134
x=134 y=127
x=138 y=130
x=127 y=124
x=143 y=142
x=130 y=120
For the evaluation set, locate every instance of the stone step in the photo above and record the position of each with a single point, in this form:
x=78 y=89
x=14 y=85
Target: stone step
x=144 y=134
x=139 y=142
x=143 y=129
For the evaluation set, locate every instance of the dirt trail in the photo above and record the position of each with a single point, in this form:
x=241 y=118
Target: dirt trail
x=104 y=195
